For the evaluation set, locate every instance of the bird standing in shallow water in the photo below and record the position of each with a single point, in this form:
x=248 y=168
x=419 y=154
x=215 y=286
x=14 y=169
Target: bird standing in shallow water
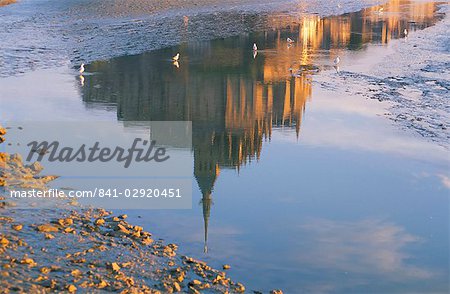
x=405 y=32
x=176 y=57
x=81 y=71
x=255 y=48
x=337 y=60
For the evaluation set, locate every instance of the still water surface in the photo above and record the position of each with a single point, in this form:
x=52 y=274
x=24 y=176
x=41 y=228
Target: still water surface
x=295 y=186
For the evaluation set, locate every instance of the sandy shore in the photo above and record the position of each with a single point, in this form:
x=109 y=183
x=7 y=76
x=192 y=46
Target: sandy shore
x=67 y=247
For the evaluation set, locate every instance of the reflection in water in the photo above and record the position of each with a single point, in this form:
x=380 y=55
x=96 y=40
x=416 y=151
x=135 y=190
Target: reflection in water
x=358 y=247
x=235 y=98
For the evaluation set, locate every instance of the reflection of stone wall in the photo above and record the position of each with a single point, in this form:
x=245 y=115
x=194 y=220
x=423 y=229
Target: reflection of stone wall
x=232 y=108
x=351 y=30
x=232 y=99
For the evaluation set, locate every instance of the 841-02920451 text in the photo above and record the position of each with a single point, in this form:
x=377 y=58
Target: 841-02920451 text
x=132 y=193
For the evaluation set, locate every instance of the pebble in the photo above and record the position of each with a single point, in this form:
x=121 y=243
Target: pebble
x=123 y=229
x=240 y=288
x=27 y=260
x=176 y=287
x=147 y=241
x=195 y=282
x=100 y=222
x=36 y=167
x=71 y=288
x=65 y=222
x=115 y=267
x=17 y=227
x=49 y=236
x=102 y=284
x=69 y=230
x=4 y=242
x=47 y=228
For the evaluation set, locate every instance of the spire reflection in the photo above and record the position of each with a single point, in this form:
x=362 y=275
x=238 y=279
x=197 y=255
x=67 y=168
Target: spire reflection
x=234 y=97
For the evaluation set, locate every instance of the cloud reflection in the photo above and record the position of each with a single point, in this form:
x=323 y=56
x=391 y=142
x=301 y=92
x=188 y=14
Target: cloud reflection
x=368 y=247
x=445 y=180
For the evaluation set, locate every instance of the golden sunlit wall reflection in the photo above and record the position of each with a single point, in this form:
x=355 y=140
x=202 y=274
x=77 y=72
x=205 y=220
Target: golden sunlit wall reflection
x=233 y=99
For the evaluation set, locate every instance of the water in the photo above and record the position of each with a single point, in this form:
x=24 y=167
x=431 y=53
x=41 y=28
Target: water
x=295 y=186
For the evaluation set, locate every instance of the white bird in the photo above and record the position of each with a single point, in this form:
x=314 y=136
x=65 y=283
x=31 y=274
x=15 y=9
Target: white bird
x=405 y=32
x=289 y=40
x=176 y=57
x=81 y=68
x=337 y=60
x=255 y=48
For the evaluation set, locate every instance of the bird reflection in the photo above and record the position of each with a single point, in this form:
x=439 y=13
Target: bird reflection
x=81 y=70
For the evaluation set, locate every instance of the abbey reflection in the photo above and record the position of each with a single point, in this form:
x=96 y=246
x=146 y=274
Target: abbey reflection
x=233 y=100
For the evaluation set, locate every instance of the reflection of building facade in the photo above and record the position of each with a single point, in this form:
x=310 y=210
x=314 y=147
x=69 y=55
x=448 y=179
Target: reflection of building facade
x=233 y=100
